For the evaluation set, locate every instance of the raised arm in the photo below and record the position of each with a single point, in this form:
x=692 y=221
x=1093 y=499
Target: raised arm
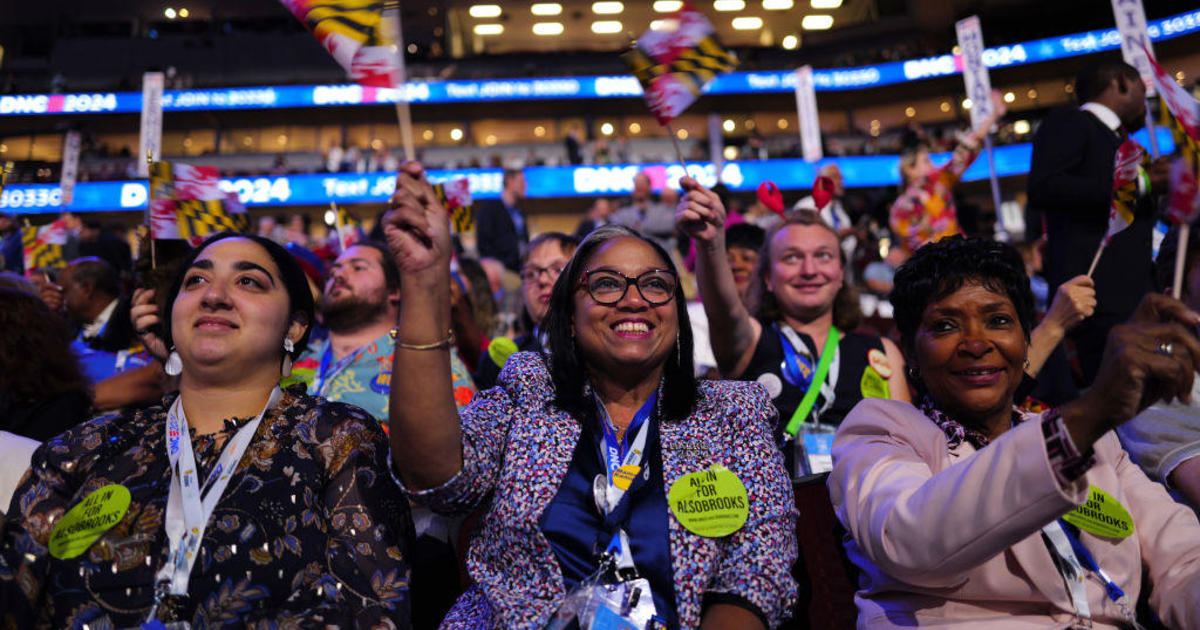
x=424 y=424
x=1074 y=301
x=731 y=330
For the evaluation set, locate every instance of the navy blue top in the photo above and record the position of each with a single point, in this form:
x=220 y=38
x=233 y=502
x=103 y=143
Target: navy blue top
x=576 y=528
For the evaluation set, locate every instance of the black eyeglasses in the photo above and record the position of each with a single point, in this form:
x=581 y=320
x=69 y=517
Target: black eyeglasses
x=607 y=287
x=532 y=274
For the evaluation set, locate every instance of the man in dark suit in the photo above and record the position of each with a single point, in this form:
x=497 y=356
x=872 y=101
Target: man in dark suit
x=1070 y=183
x=500 y=228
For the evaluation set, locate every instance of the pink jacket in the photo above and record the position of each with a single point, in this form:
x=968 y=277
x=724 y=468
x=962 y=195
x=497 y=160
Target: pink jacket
x=951 y=538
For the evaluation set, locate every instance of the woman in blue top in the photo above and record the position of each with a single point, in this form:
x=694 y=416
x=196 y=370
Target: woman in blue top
x=605 y=444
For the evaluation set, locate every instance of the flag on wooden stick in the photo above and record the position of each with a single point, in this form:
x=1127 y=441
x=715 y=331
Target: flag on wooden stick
x=1182 y=117
x=42 y=246
x=674 y=64
x=349 y=228
x=186 y=202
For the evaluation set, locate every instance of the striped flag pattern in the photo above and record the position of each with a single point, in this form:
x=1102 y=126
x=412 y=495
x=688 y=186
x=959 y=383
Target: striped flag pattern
x=187 y=203
x=356 y=34
x=455 y=196
x=42 y=247
x=1182 y=116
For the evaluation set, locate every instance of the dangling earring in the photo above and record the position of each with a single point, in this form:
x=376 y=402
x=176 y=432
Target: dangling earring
x=914 y=375
x=174 y=366
x=288 y=348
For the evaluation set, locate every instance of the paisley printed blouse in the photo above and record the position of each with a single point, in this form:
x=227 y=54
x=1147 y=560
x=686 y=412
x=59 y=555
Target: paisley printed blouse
x=310 y=532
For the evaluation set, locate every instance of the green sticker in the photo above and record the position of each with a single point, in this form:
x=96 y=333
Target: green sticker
x=873 y=385
x=84 y=523
x=710 y=503
x=500 y=349
x=1102 y=515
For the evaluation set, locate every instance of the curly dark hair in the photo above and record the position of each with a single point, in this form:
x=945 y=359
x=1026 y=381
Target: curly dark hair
x=567 y=364
x=847 y=315
x=36 y=360
x=939 y=269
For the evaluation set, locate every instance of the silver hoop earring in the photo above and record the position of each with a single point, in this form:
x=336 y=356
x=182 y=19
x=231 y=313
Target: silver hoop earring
x=174 y=366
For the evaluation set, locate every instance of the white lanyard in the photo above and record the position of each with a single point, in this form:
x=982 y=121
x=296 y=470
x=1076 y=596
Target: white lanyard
x=1072 y=571
x=190 y=504
x=831 y=379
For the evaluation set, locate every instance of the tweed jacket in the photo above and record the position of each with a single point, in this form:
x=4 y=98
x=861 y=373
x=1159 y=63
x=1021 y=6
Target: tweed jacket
x=517 y=447
x=950 y=538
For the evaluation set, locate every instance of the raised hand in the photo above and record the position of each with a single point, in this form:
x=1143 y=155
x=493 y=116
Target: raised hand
x=700 y=213
x=416 y=226
x=144 y=313
x=1074 y=301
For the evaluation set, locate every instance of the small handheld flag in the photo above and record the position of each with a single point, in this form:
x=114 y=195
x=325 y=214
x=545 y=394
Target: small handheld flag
x=1129 y=184
x=355 y=33
x=455 y=196
x=42 y=247
x=349 y=228
x=674 y=64
x=186 y=202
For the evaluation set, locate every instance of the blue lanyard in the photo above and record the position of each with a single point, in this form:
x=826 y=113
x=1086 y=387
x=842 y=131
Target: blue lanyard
x=614 y=449
x=324 y=372
x=797 y=368
x=1088 y=562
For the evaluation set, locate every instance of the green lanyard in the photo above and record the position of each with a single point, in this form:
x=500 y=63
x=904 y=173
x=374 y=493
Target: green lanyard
x=814 y=388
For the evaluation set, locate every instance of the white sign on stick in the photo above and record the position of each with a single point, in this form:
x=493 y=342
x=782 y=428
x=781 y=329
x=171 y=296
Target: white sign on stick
x=70 y=166
x=975 y=74
x=151 y=137
x=806 y=108
x=1131 y=23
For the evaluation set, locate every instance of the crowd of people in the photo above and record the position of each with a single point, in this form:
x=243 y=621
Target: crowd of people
x=601 y=429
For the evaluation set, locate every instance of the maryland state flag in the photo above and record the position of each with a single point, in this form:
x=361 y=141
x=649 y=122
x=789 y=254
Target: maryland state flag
x=1183 y=118
x=349 y=228
x=42 y=247
x=674 y=64
x=455 y=196
x=355 y=33
x=186 y=202
x=1129 y=184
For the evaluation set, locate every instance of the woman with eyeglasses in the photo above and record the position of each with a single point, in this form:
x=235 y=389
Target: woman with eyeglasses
x=548 y=254
x=616 y=485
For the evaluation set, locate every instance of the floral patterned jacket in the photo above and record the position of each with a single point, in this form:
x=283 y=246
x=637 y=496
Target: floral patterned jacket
x=925 y=212
x=516 y=449
x=310 y=532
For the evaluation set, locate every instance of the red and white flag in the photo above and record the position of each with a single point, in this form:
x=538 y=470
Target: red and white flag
x=356 y=34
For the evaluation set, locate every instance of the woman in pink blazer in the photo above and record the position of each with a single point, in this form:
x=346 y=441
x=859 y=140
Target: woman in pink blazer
x=963 y=513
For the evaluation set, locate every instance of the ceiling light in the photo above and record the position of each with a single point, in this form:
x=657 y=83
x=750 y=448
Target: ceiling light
x=826 y=4
x=747 y=23
x=183 y=13
x=664 y=25
x=966 y=104
x=489 y=29
x=910 y=112
x=728 y=125
x=1032 y=94
x=749 y=123
x=778 y=5
x=945 y=106
x=667 y=6
x=817 y=22
x=607 y=8
x=681 y=134
x=548 y=28
x=170 y=13
x=539 y=131
x=635 y=128
x=427 y=134
x=484 y=10
x=782 y=123
x=606 y=26
x=546 y=8
x=606 y=129
x=330 y=217
x=791 y=42
x=1009 y=97
x=1021 y=127
x=729 y=5
x=731 y=153
x=490 y=140
x=456 y=134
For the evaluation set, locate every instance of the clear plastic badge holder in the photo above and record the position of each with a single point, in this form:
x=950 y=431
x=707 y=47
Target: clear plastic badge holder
x=599 y=605
x=813 y=446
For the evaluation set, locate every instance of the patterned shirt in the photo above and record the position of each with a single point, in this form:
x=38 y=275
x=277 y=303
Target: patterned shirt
x=364 y=377
x=311 y=526
x=925 y=213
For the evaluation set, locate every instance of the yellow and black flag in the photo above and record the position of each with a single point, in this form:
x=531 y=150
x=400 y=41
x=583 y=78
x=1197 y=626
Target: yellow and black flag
x=42 y=247
x=455 y=197
x=673 y=65
x=356 y=34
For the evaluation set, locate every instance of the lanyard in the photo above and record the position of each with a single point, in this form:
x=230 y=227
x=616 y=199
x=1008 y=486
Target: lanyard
x=829 y=355
x=325 y=372
x=1076 y=563
x=190 y=504
x=622 y=465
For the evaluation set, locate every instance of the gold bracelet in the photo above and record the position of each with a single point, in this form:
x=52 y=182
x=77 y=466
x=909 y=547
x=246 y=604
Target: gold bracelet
x=448 y=342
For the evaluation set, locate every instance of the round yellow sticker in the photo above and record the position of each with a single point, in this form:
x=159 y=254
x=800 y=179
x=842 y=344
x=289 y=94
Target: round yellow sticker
x=500 y=349
x=710 y=503
x=87 y=521
x=1102 y=515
